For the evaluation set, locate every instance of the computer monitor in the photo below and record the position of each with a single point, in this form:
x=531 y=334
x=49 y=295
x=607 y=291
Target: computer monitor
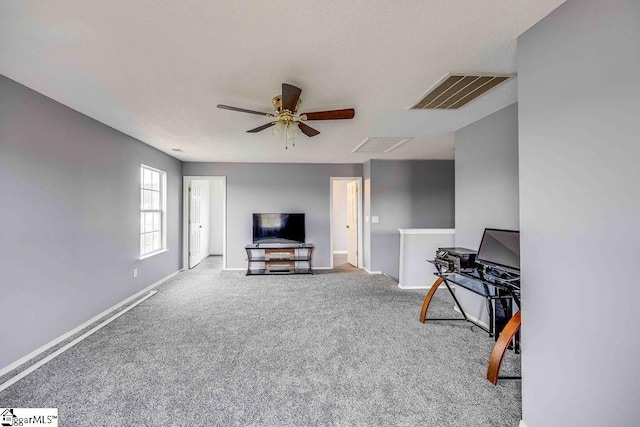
x=501 y=249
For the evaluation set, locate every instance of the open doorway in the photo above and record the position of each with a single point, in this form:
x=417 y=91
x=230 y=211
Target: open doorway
x=346 y=224
x=204 y=227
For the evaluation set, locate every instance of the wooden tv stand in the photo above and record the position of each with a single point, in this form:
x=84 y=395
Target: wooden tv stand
x=279 y=258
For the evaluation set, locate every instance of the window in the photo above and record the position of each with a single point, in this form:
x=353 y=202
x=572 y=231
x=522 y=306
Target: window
x=152 y=210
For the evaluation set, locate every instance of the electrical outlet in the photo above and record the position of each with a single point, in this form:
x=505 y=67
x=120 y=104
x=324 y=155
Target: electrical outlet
x=375 y=219
x=135 y=272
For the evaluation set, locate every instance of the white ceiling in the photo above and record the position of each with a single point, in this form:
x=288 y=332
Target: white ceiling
x=155 y=70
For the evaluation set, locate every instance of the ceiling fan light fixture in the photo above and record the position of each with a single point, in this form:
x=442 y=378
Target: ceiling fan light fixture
x=288 y=129
x=293 y=130
x=279 y=129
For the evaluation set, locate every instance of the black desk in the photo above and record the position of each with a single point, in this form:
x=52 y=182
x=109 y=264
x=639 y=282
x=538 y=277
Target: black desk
x=494 y=289
x=499 y=293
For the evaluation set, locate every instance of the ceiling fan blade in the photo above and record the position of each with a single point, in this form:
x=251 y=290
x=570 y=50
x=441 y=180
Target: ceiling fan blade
x=290 y=97
x=263 y=127
x=307 y=130
x=347 y=113
x=242 y=110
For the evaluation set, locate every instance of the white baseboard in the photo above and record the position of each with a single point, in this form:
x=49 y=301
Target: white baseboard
x=61 y=350
x=77 y=329
x=522 y=424
x=372 y=272
x=321 y=268
x=340 y=252
x=386 y=275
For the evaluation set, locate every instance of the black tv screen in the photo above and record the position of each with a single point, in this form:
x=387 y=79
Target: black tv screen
x=278 y=228
x=500 y=248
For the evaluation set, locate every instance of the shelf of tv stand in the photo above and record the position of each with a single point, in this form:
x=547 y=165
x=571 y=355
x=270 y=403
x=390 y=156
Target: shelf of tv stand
x=279 y=258
x=263 y=272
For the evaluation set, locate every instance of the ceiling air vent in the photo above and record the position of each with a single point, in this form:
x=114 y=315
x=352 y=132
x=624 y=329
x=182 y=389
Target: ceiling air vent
x=457 y=90
x=380 y=144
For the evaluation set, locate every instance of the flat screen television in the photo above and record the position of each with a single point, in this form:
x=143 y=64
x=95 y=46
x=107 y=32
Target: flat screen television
x=500 y=248
x=278 y=228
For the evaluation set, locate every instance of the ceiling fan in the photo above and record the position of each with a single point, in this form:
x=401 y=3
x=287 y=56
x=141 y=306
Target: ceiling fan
x=287 y=121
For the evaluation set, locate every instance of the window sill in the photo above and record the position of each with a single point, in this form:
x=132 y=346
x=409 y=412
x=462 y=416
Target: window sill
x=153 y=254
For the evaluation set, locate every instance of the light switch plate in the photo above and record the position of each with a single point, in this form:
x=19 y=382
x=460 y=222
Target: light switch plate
x=375 y=219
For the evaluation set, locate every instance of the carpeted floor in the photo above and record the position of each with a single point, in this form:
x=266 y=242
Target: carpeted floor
x=216 y=348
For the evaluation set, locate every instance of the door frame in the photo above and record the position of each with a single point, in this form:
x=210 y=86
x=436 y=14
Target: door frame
x=185 y=217
x=360 y=217
x=199 y=254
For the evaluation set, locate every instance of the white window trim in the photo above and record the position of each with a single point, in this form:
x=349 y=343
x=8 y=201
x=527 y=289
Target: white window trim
x=149 y=255
x=163 y=207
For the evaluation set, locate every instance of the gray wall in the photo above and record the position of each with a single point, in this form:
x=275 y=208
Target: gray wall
x=276 y=187
x=487 y=176
x=406 y=194
x=70 y=191
x=579 y=90
x=486 y=186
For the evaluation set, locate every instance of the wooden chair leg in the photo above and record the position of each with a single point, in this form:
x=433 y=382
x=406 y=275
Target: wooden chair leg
x=427 y=299
x=507 y=334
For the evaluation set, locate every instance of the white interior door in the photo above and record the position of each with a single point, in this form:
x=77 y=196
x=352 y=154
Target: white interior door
x=352 y=223
x=196 y=254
